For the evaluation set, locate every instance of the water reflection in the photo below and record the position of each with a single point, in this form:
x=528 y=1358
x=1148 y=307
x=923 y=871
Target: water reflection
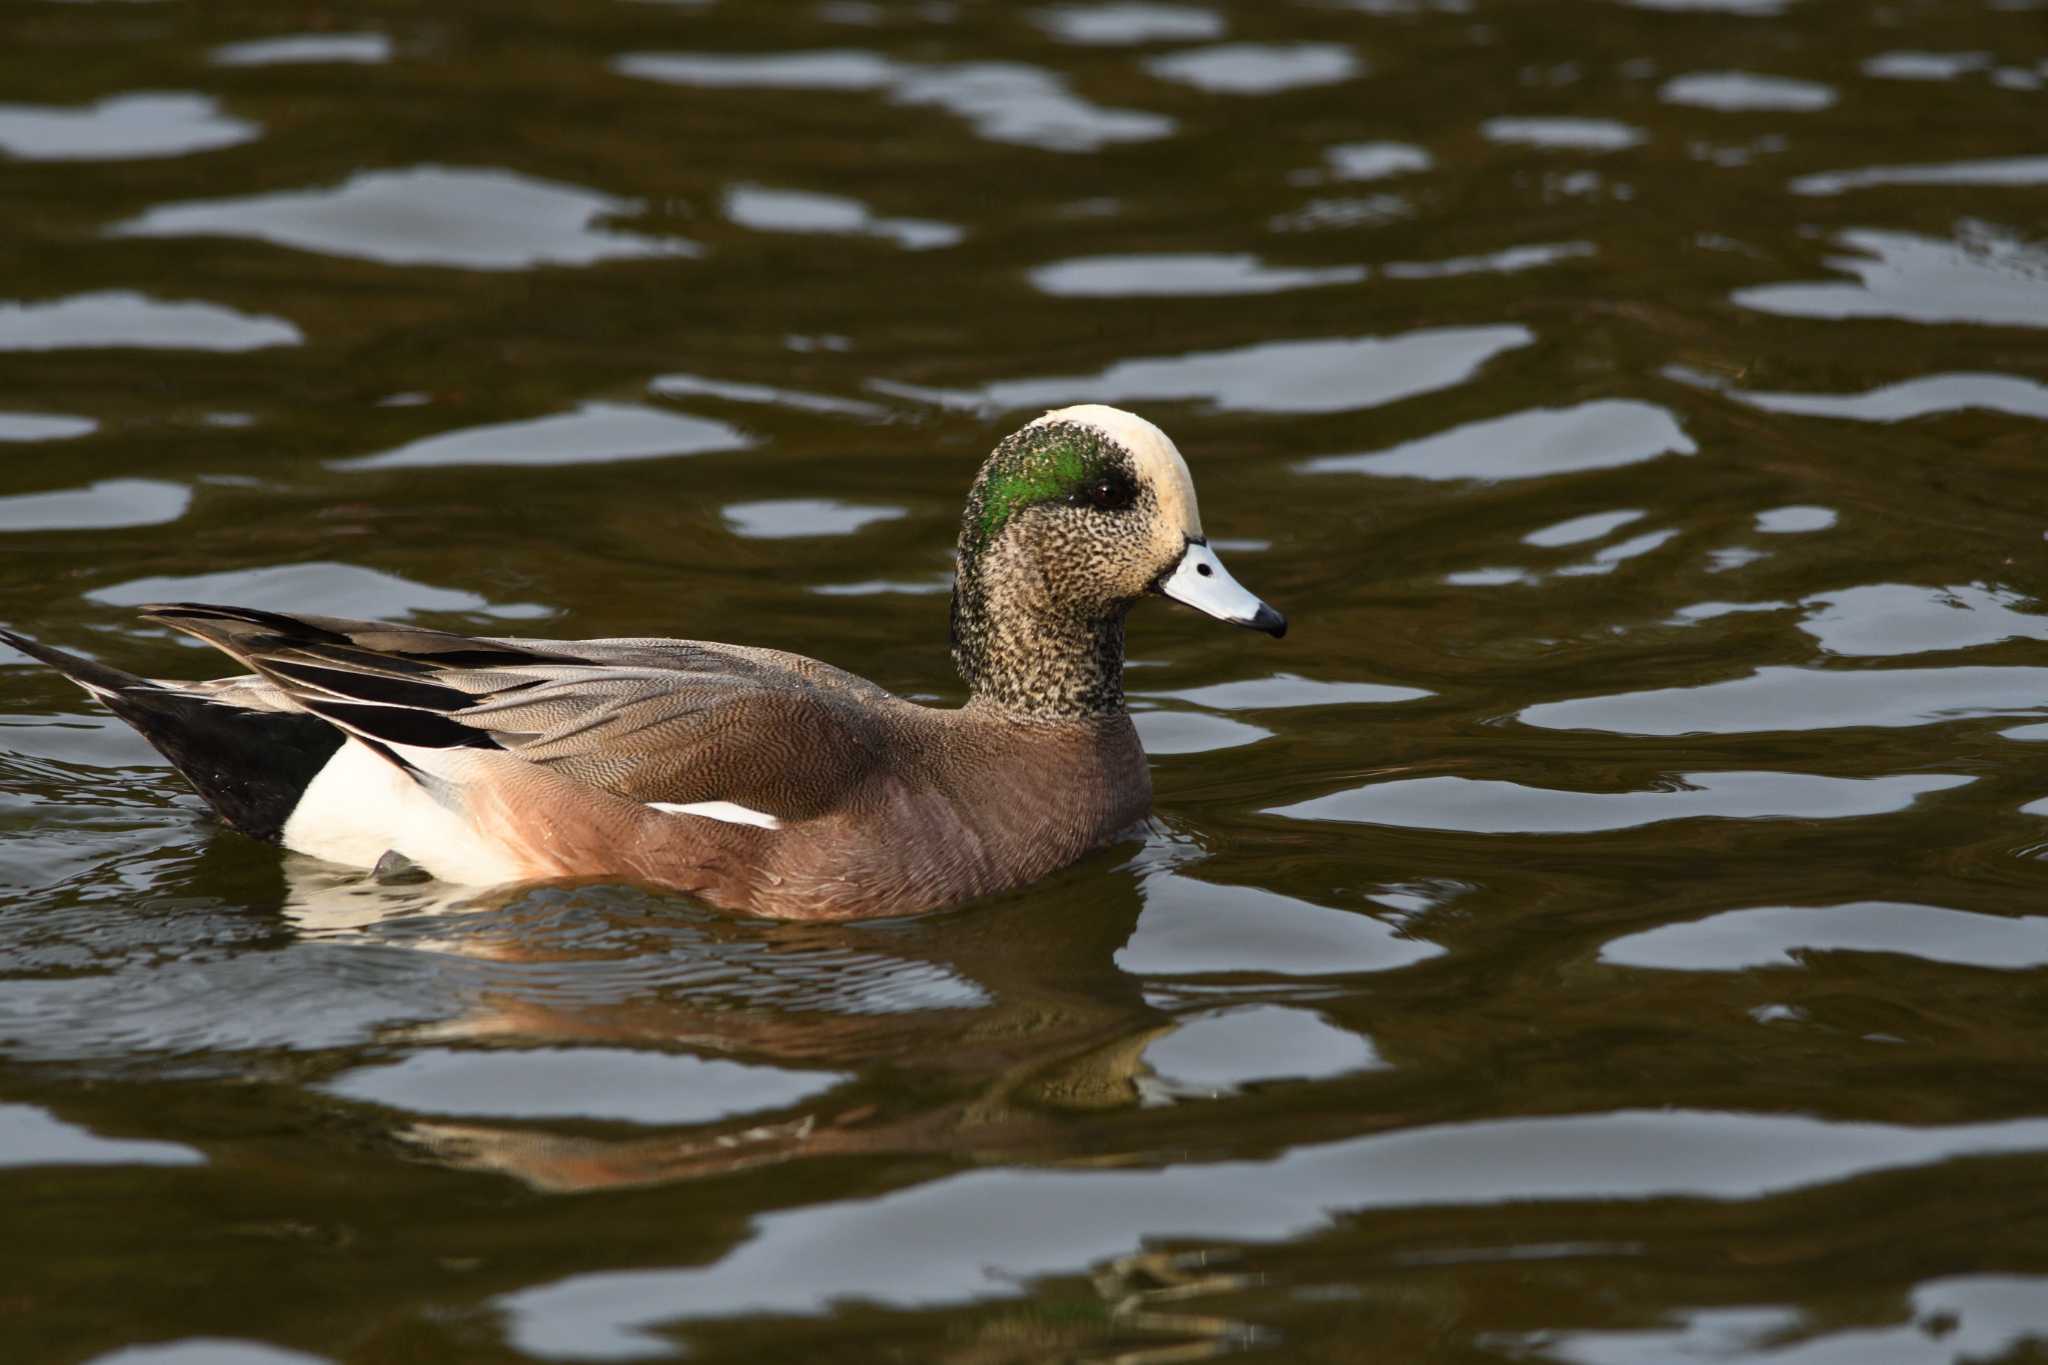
x=362 y=49
x=2009 y=170
x=1782 y=698
x=1332 y=375
x=207 y=1351
x=1526 y=445
x=473 y=219
x=1131 y=21
x=578 y=1082
x=1295 y=1084
x=44 y=426
x=31 y=1137
x=124 y=318
x=1575 y=134
x=1955 y=1319
x=1746 y=91
x=593 y=433
x=771 y=210
x=1914 y=398
x=121 y=128
x=1001 y=101
x=101 y=506
x=786 y=518
x=1986 y=276
x=1258 y=68
x=1490 y=807
x=1185 y=275
x=1924 y=66
x=1782 y=936
x=1375 y=160
x=886 y=1250
x=327 y=589
x=1883 y=619
x=1217 y=1053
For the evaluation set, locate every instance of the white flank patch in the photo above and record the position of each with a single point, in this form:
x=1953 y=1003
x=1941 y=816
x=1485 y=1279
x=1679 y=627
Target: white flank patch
x=731 y=812
x=360 y=805
x=1158 y=458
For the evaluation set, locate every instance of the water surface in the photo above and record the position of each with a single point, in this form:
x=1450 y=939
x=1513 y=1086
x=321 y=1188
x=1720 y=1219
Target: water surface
x=1607 y=929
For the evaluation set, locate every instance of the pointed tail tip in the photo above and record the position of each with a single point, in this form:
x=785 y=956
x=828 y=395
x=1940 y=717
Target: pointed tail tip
x=97 y=678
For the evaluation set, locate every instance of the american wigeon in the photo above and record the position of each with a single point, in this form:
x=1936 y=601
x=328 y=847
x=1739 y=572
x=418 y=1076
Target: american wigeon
x=757 y=780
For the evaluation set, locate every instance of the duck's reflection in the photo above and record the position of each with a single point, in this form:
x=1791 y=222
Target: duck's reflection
x=978 y=1034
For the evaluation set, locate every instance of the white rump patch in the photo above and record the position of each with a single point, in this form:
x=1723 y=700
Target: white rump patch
x=360 y=805
x=731 y=812
x=1158 y=458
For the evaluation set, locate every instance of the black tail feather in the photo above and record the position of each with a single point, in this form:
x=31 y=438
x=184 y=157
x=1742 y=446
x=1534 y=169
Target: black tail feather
x=251 y=766
x=94 y=677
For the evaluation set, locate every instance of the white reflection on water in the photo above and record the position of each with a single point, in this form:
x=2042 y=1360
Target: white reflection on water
x=1503 y=262
x=1761 y=8
x=1777 y=698
x=1775 y=936
x=465 y=217
x=366 y=49
x=326 y=589
x=593 y=433
x=1527 y=445
x=1335 y=375
x=1002 y=101
x=1746 y=90
x=773 y=210
x=986 y=1234
x=1986 y=276
x=2019 y=171
x=1796 y=520
x=1287 y=690
x=44 y=426
x=1488 y=807
x=1578 y=530
x=1963 y=1318
x=617 y=1084
x=1373 y=160
x=1575 y=134
x=1913 y=398
x=34 y=1137
x=1192 y=928
x=1217 y=1052
x=791 y=518
x=1924 y=66
x=1186 y=274
x=124 y=318
x=121 y=128
x=207 y=1351
x=1165 y=733
x=694 y=385
x=1610 y=557
x=1258 y=68
x=1882 y=619
x=1133 y=21
x=103 y=506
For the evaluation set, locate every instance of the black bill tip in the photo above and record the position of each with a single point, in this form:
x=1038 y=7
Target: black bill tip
x=1268 y=620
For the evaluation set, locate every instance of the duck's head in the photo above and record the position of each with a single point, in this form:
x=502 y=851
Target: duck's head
x=1072 y=520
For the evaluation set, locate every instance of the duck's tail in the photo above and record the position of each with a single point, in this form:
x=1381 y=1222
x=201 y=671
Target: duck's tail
x=251 y=765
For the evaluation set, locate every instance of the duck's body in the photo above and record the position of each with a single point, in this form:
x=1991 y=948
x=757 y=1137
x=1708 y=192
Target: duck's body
x=757 y=780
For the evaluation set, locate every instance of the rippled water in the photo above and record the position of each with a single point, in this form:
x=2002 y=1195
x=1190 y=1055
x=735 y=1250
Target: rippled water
x=1607 y=929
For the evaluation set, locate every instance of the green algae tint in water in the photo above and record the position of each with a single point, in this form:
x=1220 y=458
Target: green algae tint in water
x=1609 y=928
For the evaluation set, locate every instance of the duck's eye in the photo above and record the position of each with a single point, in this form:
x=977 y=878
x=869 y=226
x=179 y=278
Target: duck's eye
x=1106 y=493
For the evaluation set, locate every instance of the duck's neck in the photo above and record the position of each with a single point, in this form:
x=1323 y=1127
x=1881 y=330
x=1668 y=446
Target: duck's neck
x=1027 y=657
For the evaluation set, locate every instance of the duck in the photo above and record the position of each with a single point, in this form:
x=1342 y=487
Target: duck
x=752 y=779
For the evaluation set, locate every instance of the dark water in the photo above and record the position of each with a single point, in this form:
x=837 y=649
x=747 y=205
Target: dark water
x=1608 y=929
